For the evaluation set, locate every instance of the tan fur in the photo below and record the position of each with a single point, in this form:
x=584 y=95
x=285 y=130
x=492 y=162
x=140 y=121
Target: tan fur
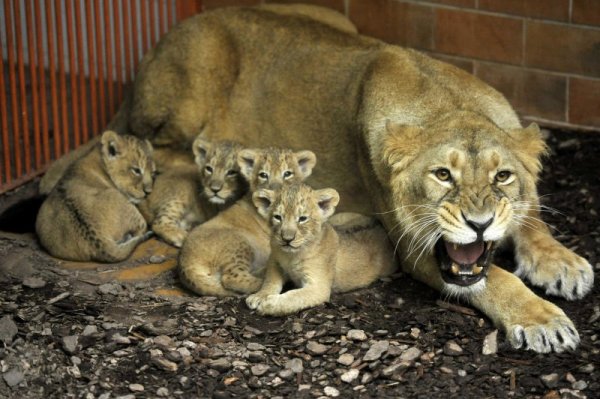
x=91 y=214
x=306 y=250
x=186 y=195
x=377 y=116
x=226 y=255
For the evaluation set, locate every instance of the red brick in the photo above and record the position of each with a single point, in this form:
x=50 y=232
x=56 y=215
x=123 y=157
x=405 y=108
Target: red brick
x=531 y=93
x=584 y=100
x=563 y=48
x=462 y=63
x=480 y=36
x=545 y=9
x=337 y=5
x=210 y=4
x=458 y=3
x=406 y=24
x=586 y=12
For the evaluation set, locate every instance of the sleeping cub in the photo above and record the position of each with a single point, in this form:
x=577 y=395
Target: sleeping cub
x=226 y=255
x=90 y=214
x=308 y=251
x=187 y=195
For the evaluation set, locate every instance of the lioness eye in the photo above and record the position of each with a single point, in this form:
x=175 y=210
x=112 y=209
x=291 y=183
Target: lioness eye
x=287 y=174
x=263 y=175
x=443 y=174
x=208 y=169
x=231 y=173
x=503 y=176
x=136 y=171
x=277 y=218
x=302 y=219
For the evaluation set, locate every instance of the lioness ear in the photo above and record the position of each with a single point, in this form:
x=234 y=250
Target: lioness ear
x=246 y=160
x=111 y=144
x=530 y=147
x=262 y=200
x=306 y=162
x=201 y=147
x=327 y=199
x=401 y=144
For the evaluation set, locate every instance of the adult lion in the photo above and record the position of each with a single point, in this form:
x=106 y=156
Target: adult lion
x=437 y=154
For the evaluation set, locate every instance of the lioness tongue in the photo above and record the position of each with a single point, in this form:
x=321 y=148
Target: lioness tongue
x=464 y=254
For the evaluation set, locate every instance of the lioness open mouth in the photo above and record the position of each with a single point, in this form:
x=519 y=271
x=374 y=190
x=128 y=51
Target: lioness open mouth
x=464 y=264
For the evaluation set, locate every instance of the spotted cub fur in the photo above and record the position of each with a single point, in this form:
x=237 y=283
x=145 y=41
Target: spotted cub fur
x=187 y=195
x=226 y=255
x=307 y=250
x=91 y=213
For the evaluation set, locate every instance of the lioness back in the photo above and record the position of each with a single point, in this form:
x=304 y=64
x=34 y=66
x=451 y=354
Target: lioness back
x=91 y=214
x=226 y=255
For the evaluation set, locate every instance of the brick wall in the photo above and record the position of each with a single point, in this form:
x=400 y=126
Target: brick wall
x=543 y=55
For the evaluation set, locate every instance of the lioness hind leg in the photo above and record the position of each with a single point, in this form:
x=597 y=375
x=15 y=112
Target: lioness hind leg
x=237 y=268
x=547 y=263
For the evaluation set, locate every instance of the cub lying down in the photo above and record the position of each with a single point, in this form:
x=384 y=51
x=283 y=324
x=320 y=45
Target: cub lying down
x=226 y=255
x=90 y=214
x=189 y=194
x=307 y=250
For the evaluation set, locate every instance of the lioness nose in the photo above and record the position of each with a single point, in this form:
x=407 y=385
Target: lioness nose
x=479 y=227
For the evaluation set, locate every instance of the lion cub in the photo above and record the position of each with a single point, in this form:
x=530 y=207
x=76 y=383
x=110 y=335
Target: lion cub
x=227 y=254
x=187 y=195
x=307 y=250
x=90 y=214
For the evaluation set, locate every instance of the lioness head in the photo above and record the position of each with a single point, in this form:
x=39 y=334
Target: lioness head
x=296 y=213
x=129 y=164
x=458 y=188
x=221 y=179
x=274 y=167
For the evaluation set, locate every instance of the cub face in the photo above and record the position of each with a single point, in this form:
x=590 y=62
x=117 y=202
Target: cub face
x=296 y=213
x=273 y=167
x=219 y=170
x=128 y=162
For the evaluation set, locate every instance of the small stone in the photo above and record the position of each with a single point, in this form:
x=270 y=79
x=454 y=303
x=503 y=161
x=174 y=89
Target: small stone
x=70 y=343
x=451 y=348
x=393 y=368
x=316 y=348
x=446 y=370
x=286 y=374
x=570 y=378
x=162 y=392
x=156 y=259
x=255 y=346
x=461 y=373
x=579 y=385
x=571 y=144
x=110 y=289
x=346 y=359
x=221 y=364
x=550 y=380
x=331 y=392
x=366 y=378
x=415 y=332
x=356 y=335
x=119 y=339
x=136 y=387
x=587 y=368
x=89 y=330
x=376 y=350
x=8 y=329
x=398 y=302
x=295 y=365
x=490 y=343
x=164 y=340
x=259 y=369
x=13 y=377
x=164 y=364
x=411 y=354
x=350 y=375
x=34 y=282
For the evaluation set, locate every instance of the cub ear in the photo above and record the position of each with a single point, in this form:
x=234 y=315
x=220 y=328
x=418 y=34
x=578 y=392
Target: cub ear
x=327 y=199
x=263 y=199
x=246 y=160
x=530 y=147
x=111 y=144
x=149 y=145
x=306 y=162
x=201 y=147
x=401 y=144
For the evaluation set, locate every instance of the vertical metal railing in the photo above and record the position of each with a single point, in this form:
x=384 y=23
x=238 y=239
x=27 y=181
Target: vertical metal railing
x=64 y=68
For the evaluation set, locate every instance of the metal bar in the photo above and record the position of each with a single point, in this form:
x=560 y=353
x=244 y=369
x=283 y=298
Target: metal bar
x=34 y=86
x=4 y=121
x=169 y=14
x=52 y=70
x=42 y=85
x=62 y=75
x=162 y=16
x=93 y=66
x=100 y=65
x=135 y=35
x=109 y=60
x=81 y=72
x=72 y=69
x=13 y=88
x=22 y=92
x=117 y=14
x=152 y=23
x=144 y=14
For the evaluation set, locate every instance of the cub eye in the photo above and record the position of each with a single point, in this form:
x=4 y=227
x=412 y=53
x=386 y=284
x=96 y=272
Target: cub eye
x=302 y=219
x=232 y=173
x=443 y=174
x=136 y=171
x=208 y=169
x=287 y=174
x=277 y=218
x=263 y=175
x=503 y=176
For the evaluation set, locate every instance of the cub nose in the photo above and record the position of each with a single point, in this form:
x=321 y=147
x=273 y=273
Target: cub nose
x=288 y=236
x=216 y=187
x=148 y=189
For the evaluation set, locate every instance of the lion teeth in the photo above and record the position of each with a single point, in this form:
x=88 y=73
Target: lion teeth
x=489 y=245
x=477 y=269
x=455 y=269
x=455 y=246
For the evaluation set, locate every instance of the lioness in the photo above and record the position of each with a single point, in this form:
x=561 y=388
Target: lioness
x=307 y=250
x=226 y=256
x=91 y=213
x=438 y=154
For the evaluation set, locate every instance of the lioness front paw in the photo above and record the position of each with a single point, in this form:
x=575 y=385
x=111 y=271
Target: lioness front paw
x=557 y=269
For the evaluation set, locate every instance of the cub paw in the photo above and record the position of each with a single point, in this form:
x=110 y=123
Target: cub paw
x=253 y=301
x=271 y=306
x=557 y=269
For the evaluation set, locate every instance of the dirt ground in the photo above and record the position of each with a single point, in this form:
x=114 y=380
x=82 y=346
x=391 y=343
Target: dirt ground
x=85 y=330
